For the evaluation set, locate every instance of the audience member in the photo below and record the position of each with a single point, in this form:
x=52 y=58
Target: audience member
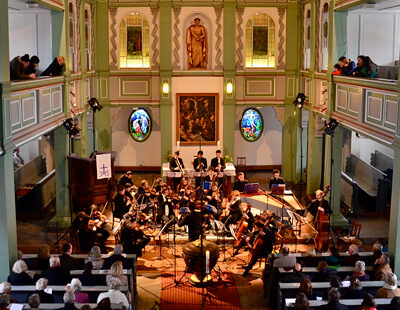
x=376 y=253
x=324 y=272
x=368 y=302
x=18 y=66
x=353 y=256
x=334 y=258
x=76 y=287
x=355 y=291
x=55 y=274
x=359 y=243
x=87 y=278
x=382 y=267
x=359 y=271
x=365 y=67
x=5 y=288
x=4 y=301
x=335 y=283
x=19 y=275
x=285 y=261
x=104 y=304
x=395 y=303
x=42 y=260
x=86 y=307
x=34 y=301
x=337 y=70
x=116 y=271
x=67 y=261
x=295 y=276
x=310 y=260
x=33 y=65
x=17 y=159
x=69 y=299
x=333 y=301
x=301 y=302
x=114 y=294
x=117 y=256
x=306 y=288
x=55 y=68
x=41 y=285
x=95 y=257
x=347 y=65
x=389 y=289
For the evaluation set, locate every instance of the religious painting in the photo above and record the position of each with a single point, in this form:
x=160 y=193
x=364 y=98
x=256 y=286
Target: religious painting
x=134 y=40
x=260 y=40
x=251 y=124
x=139 y=125
x=197 y=119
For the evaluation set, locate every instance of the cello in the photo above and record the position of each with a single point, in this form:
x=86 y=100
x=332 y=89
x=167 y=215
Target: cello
x=242 y=226
x=322 y=226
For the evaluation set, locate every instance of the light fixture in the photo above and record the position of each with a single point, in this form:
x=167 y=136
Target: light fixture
x=71 y=127
x=329 y=128
x=94 y=104
x=229 y=88
x=299 y=101
x=165 y=88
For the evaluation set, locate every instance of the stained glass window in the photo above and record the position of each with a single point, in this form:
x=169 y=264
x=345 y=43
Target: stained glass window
x=140 y=125
x=134 y=49
x=260 y=42
x=251 y=124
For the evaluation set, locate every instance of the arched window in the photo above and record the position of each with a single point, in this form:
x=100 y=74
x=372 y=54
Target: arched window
x=72 y=35
x=134 y=49
x=87 y=39
x=308 y=40
x=324 y=36
x=260 y=42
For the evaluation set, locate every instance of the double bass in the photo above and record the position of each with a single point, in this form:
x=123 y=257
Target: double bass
x=322 y=226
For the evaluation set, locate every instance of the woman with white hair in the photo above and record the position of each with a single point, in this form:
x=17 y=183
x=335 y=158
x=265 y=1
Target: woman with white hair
x=76 y=287
x=115 y=295
x=69 y=300
x=389 y=289
x=41 y=285
x=359 y=271
x=5 y=288
x=116 y=271
x=95 y=257
x=19 y=275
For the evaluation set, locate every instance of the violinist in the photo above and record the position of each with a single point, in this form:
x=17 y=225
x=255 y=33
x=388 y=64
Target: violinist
x=264 y=240
x=319 y=203
x=234 y=210
x=122 y=204
x=218 y=163
x=166 y=209
x=214 y=198
x=211 y=175
x=126 y=178
x=186 y=200
x=132 y=237
x=182 y=186
x=240 y=183
x=88 y=237
x=277 y=179
x=176 y=165
x=158 y=185
x=100 y=224
x=144 y=195
x=128 y=192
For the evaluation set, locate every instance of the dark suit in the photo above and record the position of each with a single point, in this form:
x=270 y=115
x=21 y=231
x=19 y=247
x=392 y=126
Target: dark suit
x=56 y=276
x=332 y=305
x=239 y=185
x=193 y=221
x=214 y=163
x=275 y=181
x=313 y=207
x=196 y=163
x=44 y=297
x=126 y=263
x=120 y=206
x=88 y=279
x=173 y=167
x=20 y=279
x=70 y=263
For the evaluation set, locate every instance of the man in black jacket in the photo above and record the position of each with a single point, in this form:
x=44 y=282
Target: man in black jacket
x=117 y=256
x=334 y=304
x=193 y=220
x=176 y=165
x=67 y=261
x=55 y=68
x=276 y=179
x=55 y=274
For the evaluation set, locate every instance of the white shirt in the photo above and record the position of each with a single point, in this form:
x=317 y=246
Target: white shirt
x=116 y=297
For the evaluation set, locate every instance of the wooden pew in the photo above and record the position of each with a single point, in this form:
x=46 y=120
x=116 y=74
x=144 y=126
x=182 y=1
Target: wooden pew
x=314 y=269
x=383 y=303
x=77 y=305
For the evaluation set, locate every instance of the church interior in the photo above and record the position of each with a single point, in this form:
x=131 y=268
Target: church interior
x=204 y=154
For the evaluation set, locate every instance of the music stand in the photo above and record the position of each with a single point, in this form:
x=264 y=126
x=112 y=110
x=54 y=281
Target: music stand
x=159 y=237
x=232 y=231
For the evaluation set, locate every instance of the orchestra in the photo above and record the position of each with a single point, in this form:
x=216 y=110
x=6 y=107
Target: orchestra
x=197 y=203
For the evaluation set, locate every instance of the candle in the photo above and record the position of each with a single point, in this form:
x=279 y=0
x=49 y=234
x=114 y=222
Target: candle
x=178 y=143
x=218 y=143
x=207 y=262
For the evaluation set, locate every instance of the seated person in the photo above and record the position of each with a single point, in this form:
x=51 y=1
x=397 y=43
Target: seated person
x=20 y=275
x=41 y=285
x=285 y=260
x=117 y=256
x=324 y=272
x=240 y=183
x=87 y=278
x=296 y=276
x=276 y=179
x=55 y=68
x=336 y=284
x=355 y=291
x=33 y=65
x=55 y=274
x=95 y=257
x=5 y=288
x=76 y=287
x=395 y=303
x=368 y=303
x=4 y=301
x=382 y=267
x=115 y=295
x=337 y=70
x=359 y=271
x=42 y=260
x=306 y=288
x=347 y=65
x=301 y=302
x=34 y=301
x=126 y=178
x=18 y=66
x=389 y=289
x=67 y=261
x=116 y=271
x=353 y=256
x=333 y=301
x=69 y=300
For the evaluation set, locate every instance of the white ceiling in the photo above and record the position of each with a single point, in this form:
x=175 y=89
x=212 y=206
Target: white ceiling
x=15 y=6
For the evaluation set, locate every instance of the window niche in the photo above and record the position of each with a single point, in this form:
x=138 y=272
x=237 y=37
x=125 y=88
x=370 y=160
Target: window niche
x=324 y=37
x=134 y=39
x=260 y=42
x=308 y=41
x=72 y=35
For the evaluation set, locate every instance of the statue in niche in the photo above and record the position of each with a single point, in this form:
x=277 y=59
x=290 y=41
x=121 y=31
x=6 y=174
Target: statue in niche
x=196 y=42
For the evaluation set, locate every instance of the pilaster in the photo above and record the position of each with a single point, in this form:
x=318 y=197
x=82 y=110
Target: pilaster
x=314 y=152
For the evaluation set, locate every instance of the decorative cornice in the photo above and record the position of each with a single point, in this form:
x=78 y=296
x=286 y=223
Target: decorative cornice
x=113 y=39
x=218 y=64
x=176 y=66
x=239 y=37
x=154 y=34
x=281 y=48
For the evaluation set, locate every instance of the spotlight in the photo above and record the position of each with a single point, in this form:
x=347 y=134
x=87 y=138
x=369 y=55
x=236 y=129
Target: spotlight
x=329 y=128
x=94 y=104
x=299 y=101
x=71 y=127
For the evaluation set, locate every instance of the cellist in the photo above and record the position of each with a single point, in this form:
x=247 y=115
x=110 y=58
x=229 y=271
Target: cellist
x=319 y=203
x=244 y=227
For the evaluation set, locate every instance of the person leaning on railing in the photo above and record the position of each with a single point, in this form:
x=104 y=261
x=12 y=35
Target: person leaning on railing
x=55 y=68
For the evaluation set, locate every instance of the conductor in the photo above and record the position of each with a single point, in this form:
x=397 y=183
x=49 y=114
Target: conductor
x=193 y=220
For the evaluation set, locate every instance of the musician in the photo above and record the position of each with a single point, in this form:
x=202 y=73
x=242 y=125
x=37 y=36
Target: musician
x=132 y=237
x=240 y=183
x=186 y=199
x=176 y=165
x=88 y=237
x=122 y=204
x=218 y=163
x=199 y=165
x=214 y=198
x=248 y=216
x=143 y=195
x=182 y=186
x=234 y=213
x=128 y=192
x=77 y=222
x=166 y=209
x=193 y=220
x=276 y=179
x=126 y=178
x=319 y=203
x=159 y=184
x=265 y=233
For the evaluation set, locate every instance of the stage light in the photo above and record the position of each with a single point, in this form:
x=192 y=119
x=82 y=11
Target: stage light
x=299 y=101
x=229 y=88
x=329 y=128
x=94 y=104
x=165 y=88
x=71 y=127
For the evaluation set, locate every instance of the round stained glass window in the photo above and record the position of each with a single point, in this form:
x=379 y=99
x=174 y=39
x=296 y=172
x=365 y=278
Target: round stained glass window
x=251 y=124
x=140 y=125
